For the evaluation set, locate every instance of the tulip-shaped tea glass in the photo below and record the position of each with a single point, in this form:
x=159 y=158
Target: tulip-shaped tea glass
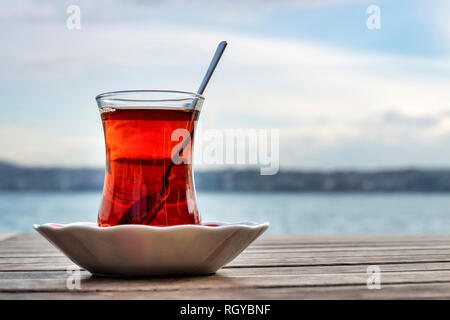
x=148 y=139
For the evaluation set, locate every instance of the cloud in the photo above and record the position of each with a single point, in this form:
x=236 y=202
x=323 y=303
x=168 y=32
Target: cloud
x=441 y=15
x=336 y=103
x=398 y=118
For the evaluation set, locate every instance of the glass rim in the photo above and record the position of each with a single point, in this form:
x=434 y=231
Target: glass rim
x=116 y=95
x=150 y=99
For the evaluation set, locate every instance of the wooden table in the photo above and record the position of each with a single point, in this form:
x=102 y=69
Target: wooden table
x=274 y=267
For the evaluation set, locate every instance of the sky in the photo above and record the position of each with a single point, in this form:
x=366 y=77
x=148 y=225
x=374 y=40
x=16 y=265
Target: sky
x=342 y=95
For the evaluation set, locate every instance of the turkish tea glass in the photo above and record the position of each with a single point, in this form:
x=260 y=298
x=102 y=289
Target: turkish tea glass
x=148 y=139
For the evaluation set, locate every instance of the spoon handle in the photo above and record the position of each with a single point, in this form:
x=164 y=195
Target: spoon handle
x=212 y=66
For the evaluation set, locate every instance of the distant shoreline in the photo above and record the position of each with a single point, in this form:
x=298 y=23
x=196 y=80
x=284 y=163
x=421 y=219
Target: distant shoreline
x=243 y=193
x=19 y=178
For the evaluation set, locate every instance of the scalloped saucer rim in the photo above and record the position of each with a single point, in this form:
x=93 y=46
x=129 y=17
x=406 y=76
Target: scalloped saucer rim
x=141 y=250
x=206 y=225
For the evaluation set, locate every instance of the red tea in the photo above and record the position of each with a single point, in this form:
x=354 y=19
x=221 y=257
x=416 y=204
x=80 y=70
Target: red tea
x=142 y=183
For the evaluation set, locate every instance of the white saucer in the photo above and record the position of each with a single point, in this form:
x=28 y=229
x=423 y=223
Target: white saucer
x=133 y=250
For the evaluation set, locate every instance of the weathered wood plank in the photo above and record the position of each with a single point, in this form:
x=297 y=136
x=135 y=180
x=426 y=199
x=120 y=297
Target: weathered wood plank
x=261 y=258
x=19 y=252
x=34 y=246
x=302 y=239
x=296 y=261
x=325 y=238
x=37 y=267
x=258 y=271
x=40 y=242
x=61 y=263
x=347 y=253
x=7 y=257
x=402 y=291
x=6 y=235
x=221 y=280
x=253 y=251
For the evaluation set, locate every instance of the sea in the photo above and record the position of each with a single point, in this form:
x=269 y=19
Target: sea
x=287 y=213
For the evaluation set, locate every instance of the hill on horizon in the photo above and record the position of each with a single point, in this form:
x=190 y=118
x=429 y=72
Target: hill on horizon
x=20 y=178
